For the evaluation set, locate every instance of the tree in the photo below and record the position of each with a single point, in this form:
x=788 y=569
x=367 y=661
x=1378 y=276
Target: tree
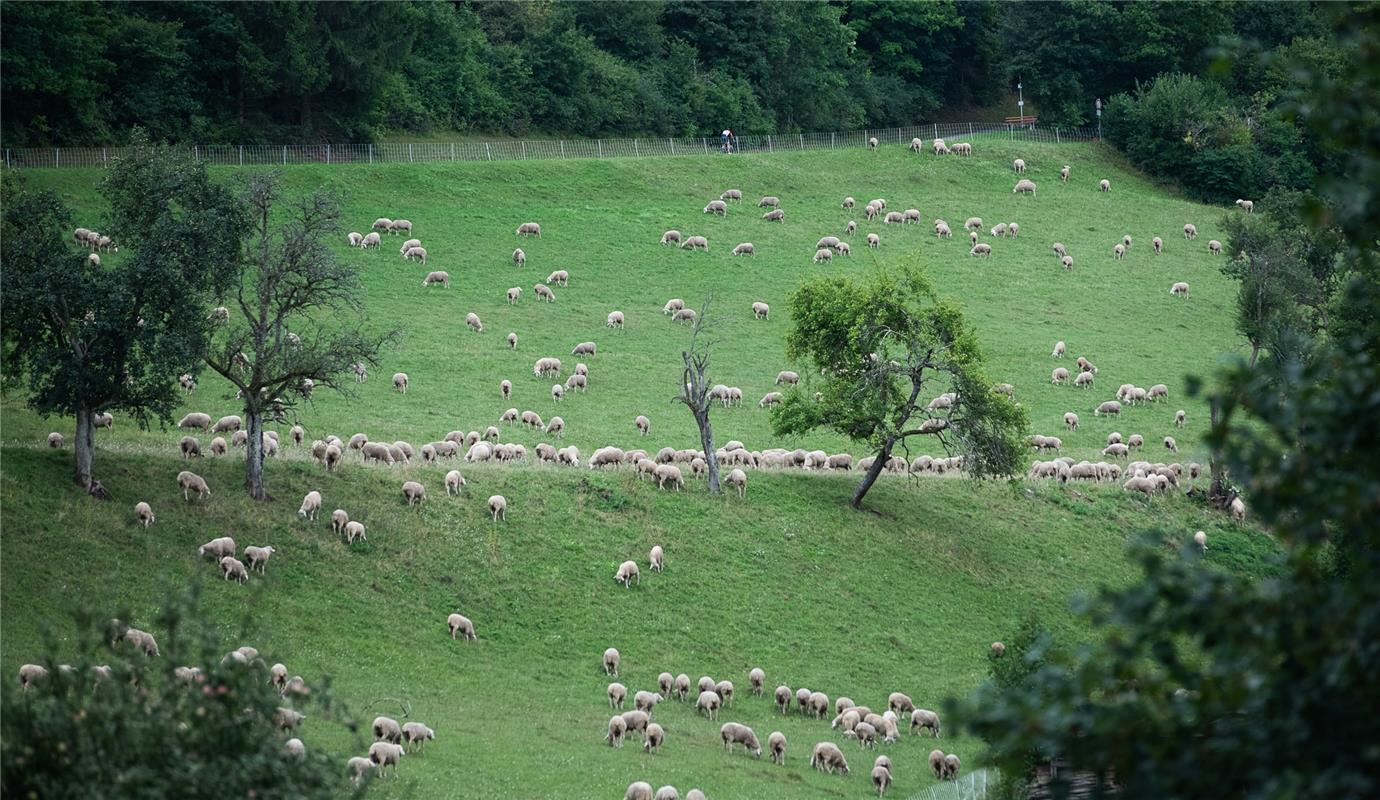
x=115 y=336
x=288 y=334
x=695 y=389
x=882 y=345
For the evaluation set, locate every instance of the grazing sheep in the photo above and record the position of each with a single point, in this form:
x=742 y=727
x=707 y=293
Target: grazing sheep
x=725 y=690
x=851 y=228
x=1104 y=186
x=1119 y=251
x=939 y=148
x=894 y=218
x=667 y=793
x=1215 y=247
x=1024 y=186
x=783 y=698
x=1109 y=407
x=951 y=761
x=1180 y=418
x=371 y=241
x=770 y=399
x=732 y=194
x=1157 y=244
x=1180 y=289
x=1071 y=420
x=646 y=701
x=818 y=704
x=744 y=249
x=899 y=702
x=638 y=790
x=760 y=310
x=1237 y=509
x=915 y=145
x=258 y=557
x=872 y=143
x=1170 y=444
x=669 y=473
x=1064 y=174
x=498 y=507
x=513 y=294
x=828 y=757
x=354 y=531
x=519 y=257
x=413 y=492
x=384 y=754
x=775 y=216
x=408 y=245
x=962 y=149
x=529 y=229
x=1190 y=231
x=709 y=703
x=738 y=480
x=655 y=737
x=1200 y=539
x=233 y=568
x=1067 y=261
x=941 y=230
x=227 y=424
x=716 y=207
x=454 y=480
x=981 y=249
x=415 y=735
x=1246 y=206
x=1117 y=450
x=1059 y=249
x=617 y=694
x=924 y=719
x=400 y=382
x=769 y=202
x=187 y=481
x=733 y=733
x=823 y=254
x=1059 y=375
x=696 y=243
x=416 y=253
x=585 y=349
x=543 y=292
x=998 y=650
x=1084 y=379
x=460 y=625
x=1019 y=166
x=881 y=779
x=1158 y=392
x=937 y=763
x=546 y=366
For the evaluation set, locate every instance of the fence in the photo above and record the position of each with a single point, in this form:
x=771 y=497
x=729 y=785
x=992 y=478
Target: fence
x=542 y=149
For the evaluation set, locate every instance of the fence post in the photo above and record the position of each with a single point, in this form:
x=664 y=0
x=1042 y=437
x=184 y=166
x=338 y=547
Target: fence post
x=57 y=156
x=831 y=139
x=705 y=141
x=328 y=154
x=970 y=129
x=673 y=144
x=196 y=152
x=452 y=151
x=241 y=155
x=1056 y=136
x=636 y=153
x=487 y=152
x=936 y=131
x=371 y=154
x=769 y=150
x=105 y=160
x=562 y=148
x=524 y=148
x=409 y=152
x=8 y=163
x=285 y=155
x=599 y=145
x=802 y=141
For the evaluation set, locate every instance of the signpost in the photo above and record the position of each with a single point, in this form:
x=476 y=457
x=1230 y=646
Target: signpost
x=1099 y=119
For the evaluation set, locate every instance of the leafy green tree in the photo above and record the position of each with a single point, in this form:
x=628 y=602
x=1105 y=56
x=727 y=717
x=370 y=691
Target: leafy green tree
x=91 y=338
x=289 y=332
x=141 y=731
x=55 y=73
x=883 y=347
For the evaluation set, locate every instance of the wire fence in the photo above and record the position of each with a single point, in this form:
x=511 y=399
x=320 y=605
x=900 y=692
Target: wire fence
x=971 y=786
x=545 y=149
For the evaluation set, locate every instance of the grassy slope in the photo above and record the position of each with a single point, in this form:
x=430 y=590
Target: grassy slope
x=905 y=597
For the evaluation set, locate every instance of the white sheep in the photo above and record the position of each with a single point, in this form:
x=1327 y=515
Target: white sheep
x=1024 y=186
x=612 y=659
x=1200 y=539
x=1064 y=174
x=416 y=253
x=258 y=556
x=359 y=766
x=1067 y=262
x=354 y=531
x=371 y=241
x=873 y=240
x=643 y=425
x=1104 y=186
x=695 y=243
x=498 y=507
x=233 y=568
x=1119 y=251
x=981 y=249
x=1170 y=444
x=1180 y=289
x=460 y=625
x=744 y=249
x=716 y=207
x=614 y=319
x=738 y=480
x=732 y=194
x=1180 y=418
x=400 y=382
x=734 y=733
x=454 y=480
x=1157 y=244
x=188 y=481
x=415 y=734
x=1019 y=166
x=519 y=257
x=384 y=754
x=529 y=229
x=1247 y=206
x=143 y=513
x=776 y=215
x=1190 y=231
x=311 y=503
x=413 y=492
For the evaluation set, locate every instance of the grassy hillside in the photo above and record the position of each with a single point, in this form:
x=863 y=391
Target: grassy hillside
x=906 y=596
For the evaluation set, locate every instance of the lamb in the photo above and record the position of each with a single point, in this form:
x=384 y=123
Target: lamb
x=417 y=253
x=828 y=757
x=1190 y=231
x=1180 y=289
x=981 y=249
x=924 y=719
x=775 y=216
x=769 y=202
x=187 y=481
x=709 y=703
x=460 y=625
x=354 y=530
x=738 y=480
x=716 y=207
x=1024 y=186
x=744 y=249
x=1215 y=247
x=227 y=424
x=231 y=567
x=732 y=194
x=413 y=492
x=851 y=228
x=384 y=754
x=1157 y=244
x=258 y=557
x=1119 y=251
x=1104 y=186
x=1246 y=206
x=1059 y=249
x=529 y=229
x=1180 y=418
x=696 y=243
x=519 y=257
x=1064 y=174
x=1019 y=166
x=733 y=733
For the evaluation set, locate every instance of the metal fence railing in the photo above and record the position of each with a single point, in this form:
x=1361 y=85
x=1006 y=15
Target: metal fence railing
x=540 y=149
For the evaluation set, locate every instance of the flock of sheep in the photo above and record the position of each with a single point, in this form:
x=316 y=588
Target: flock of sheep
x=666 y=469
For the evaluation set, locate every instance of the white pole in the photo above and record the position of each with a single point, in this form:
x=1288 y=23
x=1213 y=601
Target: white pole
x=487 y=152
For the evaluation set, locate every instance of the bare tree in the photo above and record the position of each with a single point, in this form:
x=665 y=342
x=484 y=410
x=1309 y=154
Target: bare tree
x=291 y=331
x=694 y=391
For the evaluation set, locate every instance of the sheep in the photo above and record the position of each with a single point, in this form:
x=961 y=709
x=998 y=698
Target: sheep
x=646 y=701
x=415 y=734
x=1119 y=251
x=1116 y=450
x=823 y=254
x=1064 y=174
x=937 y=763
x=413 y=492
x=454 y=480
x=294 y=747
x=894 y=218
x=1200 y=539
x=1180 y=289
x=519 y=257
x=775 y=216
x=871 y=211
x=899 y=702
x=311 y=502
x=716 y=207
x=1104 y=185
x=1084 y=379
x=941 y=230
x=732 y=194
x=1158 y=392
x=769 y=202
x=1109 y=407
x=851 y=228
x=357 y=767
x=1059 y=249
x=999 y=229
x=187 y=481
x=872 y=143
x=417 y=253
x=828 y=757
x=1190 y=231
x=744 y=249
x=655 y=737
x=738 y=480
x=1071 y=420
x=669 y=473
x=818 y=704
x=400 y=381
x=915 y=145
x=1237 y=509
x=1170 y=444
x=30 y=674
x=231 y=567
x=1157 y=244
x=371 y=241
x=333 y=457
x=708 y=703
x=667 y=793
x=227 y=424
x=529 y=229
x=543 y=292
x=498 y=507
x=1058 y=376
x=384 y=754
x=770 y=399
x=354 y=530
x=557 y=425
x=939 y=148
x=408 y=245
x=673 y=305
x=783 y=698
x=383 y=224
x=1019 y=166
x=881 y=779
x=981 y=249
x=910 y=215
x=725 y=690
x=258 y=557
x=1180 y=418
x=460 y=625
x=1024 y=186
x=733 y=733
x=585 y=349
x=1067 y=262
x=787 y=376
x=695 y=243
x=286 y=719
x=1246 y=206
x=546 y=366
x=924 y=719
x=1215 y=247
x=638 y=790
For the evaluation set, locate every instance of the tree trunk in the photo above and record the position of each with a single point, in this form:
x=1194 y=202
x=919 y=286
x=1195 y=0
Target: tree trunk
x=254 y=456
x=1216 y=496
x=707 y=442
x=870 y=478
x=1255 y=353
x=82 y=447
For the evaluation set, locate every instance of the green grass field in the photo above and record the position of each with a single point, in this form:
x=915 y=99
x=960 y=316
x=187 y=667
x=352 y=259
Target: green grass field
x=906 y=596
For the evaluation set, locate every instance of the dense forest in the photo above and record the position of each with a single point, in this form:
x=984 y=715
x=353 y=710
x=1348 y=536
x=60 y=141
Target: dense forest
x=86 y=72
